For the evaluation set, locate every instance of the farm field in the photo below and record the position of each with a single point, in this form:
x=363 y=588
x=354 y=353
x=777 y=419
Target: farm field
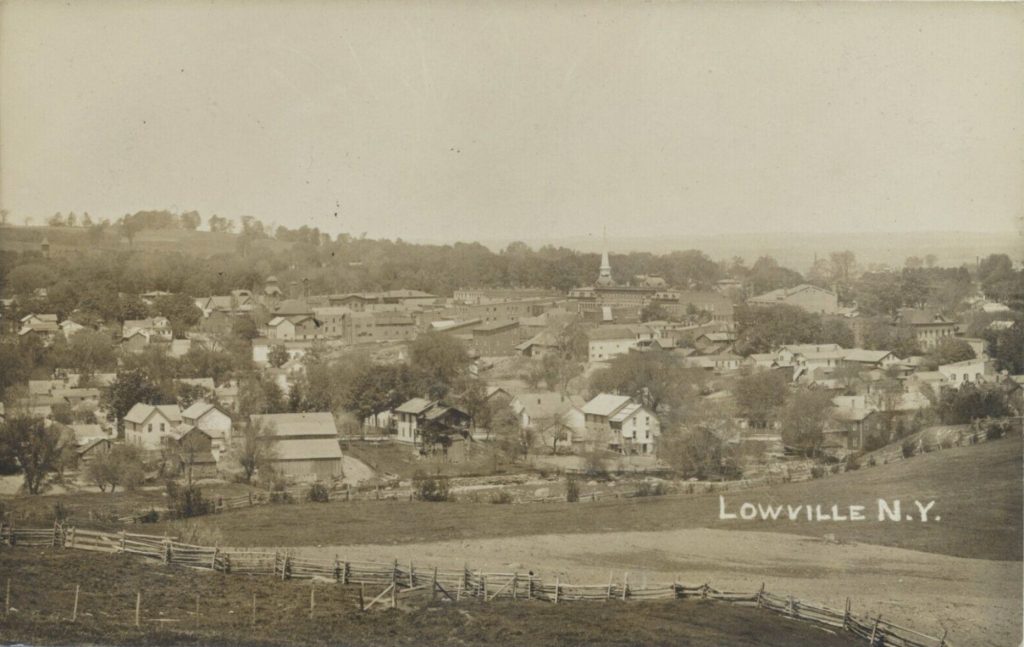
x=43 y=594
x=977 y=490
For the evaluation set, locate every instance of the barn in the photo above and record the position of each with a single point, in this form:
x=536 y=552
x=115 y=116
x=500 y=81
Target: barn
x=305 y=445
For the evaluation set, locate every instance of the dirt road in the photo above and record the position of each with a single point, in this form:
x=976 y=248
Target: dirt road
x=978 y=601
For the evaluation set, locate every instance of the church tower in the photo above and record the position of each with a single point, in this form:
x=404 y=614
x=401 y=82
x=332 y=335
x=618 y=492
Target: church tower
x=604 y=276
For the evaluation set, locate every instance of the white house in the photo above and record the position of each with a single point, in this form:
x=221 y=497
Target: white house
x=158 y=328
x=607 y=342
x=969 y=371
x=618 y=423
x=210 y=418
x=147 y=425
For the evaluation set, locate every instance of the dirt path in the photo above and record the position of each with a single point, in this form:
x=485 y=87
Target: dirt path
x=978 y=601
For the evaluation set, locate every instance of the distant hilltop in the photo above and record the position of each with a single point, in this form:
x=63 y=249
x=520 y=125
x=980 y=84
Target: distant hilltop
x=798 y=250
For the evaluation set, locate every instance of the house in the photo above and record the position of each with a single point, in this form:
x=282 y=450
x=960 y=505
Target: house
x=927 y=325
x=608 y=342
x=498 y=397
x=616 y=422
x=719 y=363
x=293 y=327
x=969 y=371
x=305 y=445
x=147 y=425
x=807 y=297
x=193 y=449
x=761 y=360
x=417 y=415
x=540 y=345
x=869 y=358
x=714 y=343
x=155 y=328
x=849 y=427
x=227 y=395
x=135 y=342
x=43 y=326
x=91 y=449
x=69 y=328
x=85 y=433
x=210 y=418
x=541 y=410
x=333 y=320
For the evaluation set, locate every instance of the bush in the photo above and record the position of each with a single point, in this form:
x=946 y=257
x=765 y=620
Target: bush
x=946 y=444
x=650 y=489
x=318 y=493
x=995 y=431
x=148 y=517
x=187 y=501
x=501 y=496
x=431 y=488
x=908 y=448
x=572 y=489
x=817 y=471
x=852 y=464
x=872 y=462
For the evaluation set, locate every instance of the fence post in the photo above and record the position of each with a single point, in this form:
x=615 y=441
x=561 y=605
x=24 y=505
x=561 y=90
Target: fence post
x=123 y=540
x=874 y=631
x=483 y=584
x=213 y=560
x=412 y=579
x=312 y=598
x=345 y=573
x=625 y=586
x=73 y=529
x=608 y=596
x=557 y=585
x=74 y=610
x=138 y=607
x=433 y=585
x=760 y=592
x=846 y=615
x=253 y=609
x=791 y=609
x=942 y=641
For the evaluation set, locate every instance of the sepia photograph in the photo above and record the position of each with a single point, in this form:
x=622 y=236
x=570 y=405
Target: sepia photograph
x=511 y=323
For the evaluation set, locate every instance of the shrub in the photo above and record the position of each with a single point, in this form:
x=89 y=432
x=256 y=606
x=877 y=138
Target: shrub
x=501 y=496
x=650 y=489
x=191 y=532
x=817 y=471
x=995 y=431
x=318 y=493
x=946 y=444
x=908 y=448
x=431 y=488
x=187 y=501
x=60 y=512
x=852 y=464
x=149 y=517
x=872 y=462
x=572 y=489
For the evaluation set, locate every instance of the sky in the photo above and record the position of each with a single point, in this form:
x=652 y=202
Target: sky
x=518 y=120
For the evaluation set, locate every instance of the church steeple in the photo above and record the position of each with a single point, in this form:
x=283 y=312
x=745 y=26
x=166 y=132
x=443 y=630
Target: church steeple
x=604 y=276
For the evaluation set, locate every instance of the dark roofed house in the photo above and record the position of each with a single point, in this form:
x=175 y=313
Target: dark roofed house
x=418 y=416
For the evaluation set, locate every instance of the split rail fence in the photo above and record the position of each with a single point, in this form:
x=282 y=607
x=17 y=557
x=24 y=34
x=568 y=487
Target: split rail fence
x=390 y=580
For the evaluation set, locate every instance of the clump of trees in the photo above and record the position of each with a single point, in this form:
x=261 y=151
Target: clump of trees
x=33 y=447
x=122 y=466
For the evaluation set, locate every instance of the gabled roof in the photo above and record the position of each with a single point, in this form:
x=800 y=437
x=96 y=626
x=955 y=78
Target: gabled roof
x=205 y=382
x=199 y=409
x=307 y=449
x=414 y=406
x=866 y=356
x=625 y=413
x=141 y=412
x=547 y=404
x=300 y=424
x=610 y=332
x=921 y=317
x=605 y=404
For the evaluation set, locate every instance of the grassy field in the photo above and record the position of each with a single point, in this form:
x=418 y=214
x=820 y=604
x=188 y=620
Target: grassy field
x=977 y=492
x=43 y=584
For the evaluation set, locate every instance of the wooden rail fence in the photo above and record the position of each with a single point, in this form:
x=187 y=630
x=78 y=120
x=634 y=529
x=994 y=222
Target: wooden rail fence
x=453 y=585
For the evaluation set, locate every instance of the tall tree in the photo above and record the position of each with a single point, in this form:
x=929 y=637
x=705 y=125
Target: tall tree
x=803 y=420
x=35 y=447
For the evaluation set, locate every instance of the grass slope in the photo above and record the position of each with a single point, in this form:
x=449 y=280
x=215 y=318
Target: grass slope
x=43 y=583
x=977 y=490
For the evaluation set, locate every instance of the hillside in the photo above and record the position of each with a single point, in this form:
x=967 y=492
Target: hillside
x=43 y=593
x=977 y=492
x=67 y=240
